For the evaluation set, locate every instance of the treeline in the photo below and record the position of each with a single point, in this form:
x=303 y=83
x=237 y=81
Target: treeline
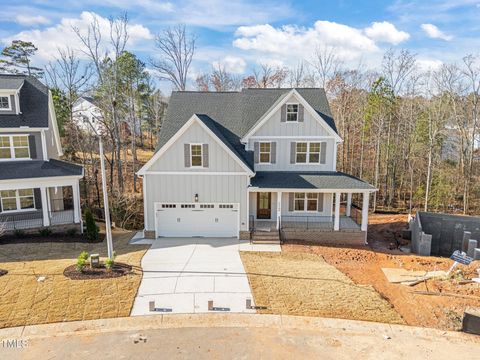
x=412 y=133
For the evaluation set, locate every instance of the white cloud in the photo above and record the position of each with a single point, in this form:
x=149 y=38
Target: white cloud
x=61 y=35
x=386 y=32
x=435 y=33
x=31 y=20
x=232 y=64
x=292 y=41
x=429 y=64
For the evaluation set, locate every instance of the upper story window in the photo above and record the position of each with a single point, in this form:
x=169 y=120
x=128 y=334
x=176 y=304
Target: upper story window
x=308 y=152
x=5 y=103
x=292 y=112
x=14 y=147
x=265 y=148
x=17 y=200
x=196 y=154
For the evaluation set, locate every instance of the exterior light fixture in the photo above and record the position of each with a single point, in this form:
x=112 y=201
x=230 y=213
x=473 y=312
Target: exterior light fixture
x=196 y=197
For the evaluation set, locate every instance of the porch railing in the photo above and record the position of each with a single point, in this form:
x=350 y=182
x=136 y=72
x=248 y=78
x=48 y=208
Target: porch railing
x=22 y=221
x=61 y=217
x=306 y=222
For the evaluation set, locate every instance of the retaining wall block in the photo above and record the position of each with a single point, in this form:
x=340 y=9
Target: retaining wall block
x=472 y=245
x=466 y=237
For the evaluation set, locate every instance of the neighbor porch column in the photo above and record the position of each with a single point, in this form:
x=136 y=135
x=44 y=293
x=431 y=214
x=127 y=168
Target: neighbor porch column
x=336 y=223
x=279 y=208
x=349 y=204
x=44 y=197
x=366 y=197
x=76 y=202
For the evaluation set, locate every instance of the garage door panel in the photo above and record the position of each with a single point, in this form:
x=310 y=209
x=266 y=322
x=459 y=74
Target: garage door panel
x=187 y=220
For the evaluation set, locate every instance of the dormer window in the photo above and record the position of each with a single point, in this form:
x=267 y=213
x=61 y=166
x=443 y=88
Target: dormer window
x=292 y=112
x=14 y=147
x=5 y=103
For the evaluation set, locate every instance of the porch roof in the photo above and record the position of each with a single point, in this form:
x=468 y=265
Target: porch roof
x=318 y=180
x=10 y=170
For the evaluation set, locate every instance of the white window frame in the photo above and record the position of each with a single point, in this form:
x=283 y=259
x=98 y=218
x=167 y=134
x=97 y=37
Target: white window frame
x=18 y=201
x=291 y=112
x=305 y=202
x=307 y=153
x=201 y=155
x=260 y=152
x=9 y=103
x=13 y=147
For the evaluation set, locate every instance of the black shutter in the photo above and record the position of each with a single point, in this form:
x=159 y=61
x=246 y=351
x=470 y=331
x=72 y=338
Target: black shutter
x=38 y=198
x=32 y=146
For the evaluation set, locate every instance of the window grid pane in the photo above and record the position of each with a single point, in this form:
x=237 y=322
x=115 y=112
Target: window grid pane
x=4 y=141
x=196 y=155
x=4 y=102
x=26 y=202
x=5 y=153
x=9 y=204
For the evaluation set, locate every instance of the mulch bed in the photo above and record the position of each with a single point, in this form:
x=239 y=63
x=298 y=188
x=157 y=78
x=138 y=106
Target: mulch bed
x=54 y=238
x=3 y=272
x=119 y=269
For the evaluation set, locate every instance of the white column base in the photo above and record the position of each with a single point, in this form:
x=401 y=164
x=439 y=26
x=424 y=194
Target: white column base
x=336 y=223
x=349 y=204
x=45 y=212
x=366 y=198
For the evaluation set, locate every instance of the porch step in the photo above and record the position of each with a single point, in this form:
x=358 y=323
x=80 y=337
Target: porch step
x=266 y=237
x=266 y=241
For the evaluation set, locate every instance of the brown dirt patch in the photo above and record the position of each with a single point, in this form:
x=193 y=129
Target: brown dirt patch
x=100 y=272
x=363 y=266
x=27 y=301
x=296 y=283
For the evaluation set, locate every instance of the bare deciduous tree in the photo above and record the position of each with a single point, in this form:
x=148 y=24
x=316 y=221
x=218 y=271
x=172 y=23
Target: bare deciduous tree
x=326 y=64
x=176 y=48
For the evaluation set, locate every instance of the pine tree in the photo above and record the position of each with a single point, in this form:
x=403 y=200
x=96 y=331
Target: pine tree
x=17 y=59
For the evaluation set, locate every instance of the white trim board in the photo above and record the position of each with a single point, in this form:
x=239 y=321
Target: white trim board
x=327 y=191
x=194 y=172
x=180 y=132
x=51 y=112
x=305 y=104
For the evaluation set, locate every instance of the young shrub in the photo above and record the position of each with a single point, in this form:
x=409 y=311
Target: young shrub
x=19 y=233
x=109 y=263
x=45 y=232
x=71 y=232
x=92 y=229
x=82 y=261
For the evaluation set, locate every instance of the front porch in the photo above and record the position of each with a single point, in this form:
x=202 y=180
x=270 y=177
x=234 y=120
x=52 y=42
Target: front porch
x=27 y=206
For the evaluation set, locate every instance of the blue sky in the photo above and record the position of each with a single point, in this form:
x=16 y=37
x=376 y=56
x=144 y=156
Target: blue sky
x=242 y=33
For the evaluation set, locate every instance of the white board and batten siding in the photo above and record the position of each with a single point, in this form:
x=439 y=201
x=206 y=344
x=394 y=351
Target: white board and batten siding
x=170 y=181
x=284 y=133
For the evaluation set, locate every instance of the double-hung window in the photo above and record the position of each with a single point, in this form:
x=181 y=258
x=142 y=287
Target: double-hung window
x=308 y=152
x=14 y=147
x=5 y=103
x=306 y=202
x=292 y=112
x=17 y=200
x=196 y=154
x=265 y=148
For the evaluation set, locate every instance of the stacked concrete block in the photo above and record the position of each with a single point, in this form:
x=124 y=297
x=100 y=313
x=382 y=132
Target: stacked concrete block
x=472 y=245
x=466 y=238
x=476 y=254
x=425 y=244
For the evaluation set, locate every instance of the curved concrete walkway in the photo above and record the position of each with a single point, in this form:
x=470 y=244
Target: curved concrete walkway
x=242 y=336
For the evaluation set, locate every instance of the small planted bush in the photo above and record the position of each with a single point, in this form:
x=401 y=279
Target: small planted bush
x=109 y=263
x=71 y=232
x=82 y=261
x=92 y=228
x=45 y=232
x=19 y=233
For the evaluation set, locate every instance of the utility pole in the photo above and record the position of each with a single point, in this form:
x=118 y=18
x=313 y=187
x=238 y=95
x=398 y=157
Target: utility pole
x=108 y=226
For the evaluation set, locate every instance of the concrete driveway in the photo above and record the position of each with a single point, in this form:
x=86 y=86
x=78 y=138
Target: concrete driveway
x=182 y=274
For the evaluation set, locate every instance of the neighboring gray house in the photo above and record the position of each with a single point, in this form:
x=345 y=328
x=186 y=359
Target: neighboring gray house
x=246 y=164
x=36 y=189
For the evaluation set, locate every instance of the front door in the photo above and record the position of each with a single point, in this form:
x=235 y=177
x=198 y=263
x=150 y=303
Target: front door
x=264 y=205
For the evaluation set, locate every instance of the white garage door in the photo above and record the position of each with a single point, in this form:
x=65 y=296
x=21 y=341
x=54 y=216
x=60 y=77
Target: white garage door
x=186 y=220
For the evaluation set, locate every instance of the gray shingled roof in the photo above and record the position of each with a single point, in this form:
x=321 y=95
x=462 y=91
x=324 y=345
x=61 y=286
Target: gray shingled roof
x=10 y=82
x=233 y=113
x=331 y=180
x=33 y=103
x=37 y=169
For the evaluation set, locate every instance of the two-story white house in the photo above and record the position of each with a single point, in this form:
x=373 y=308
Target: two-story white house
x=251 y=164
x=36 y=189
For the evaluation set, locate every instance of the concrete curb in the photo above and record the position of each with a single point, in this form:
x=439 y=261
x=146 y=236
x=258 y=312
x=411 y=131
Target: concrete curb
x=139 y=323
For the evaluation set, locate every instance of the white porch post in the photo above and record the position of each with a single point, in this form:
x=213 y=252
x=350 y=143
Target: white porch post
x=43 y=194
x=279 y=208
x=336 y=223
x=76 y=202
x=366 y=198
x=349 y=204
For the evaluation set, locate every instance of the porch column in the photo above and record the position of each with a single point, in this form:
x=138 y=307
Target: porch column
x=349 y=204
x=76 y=202
x=366 y=197
x=336 y=223
x=279 y=208
x=44 y=197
